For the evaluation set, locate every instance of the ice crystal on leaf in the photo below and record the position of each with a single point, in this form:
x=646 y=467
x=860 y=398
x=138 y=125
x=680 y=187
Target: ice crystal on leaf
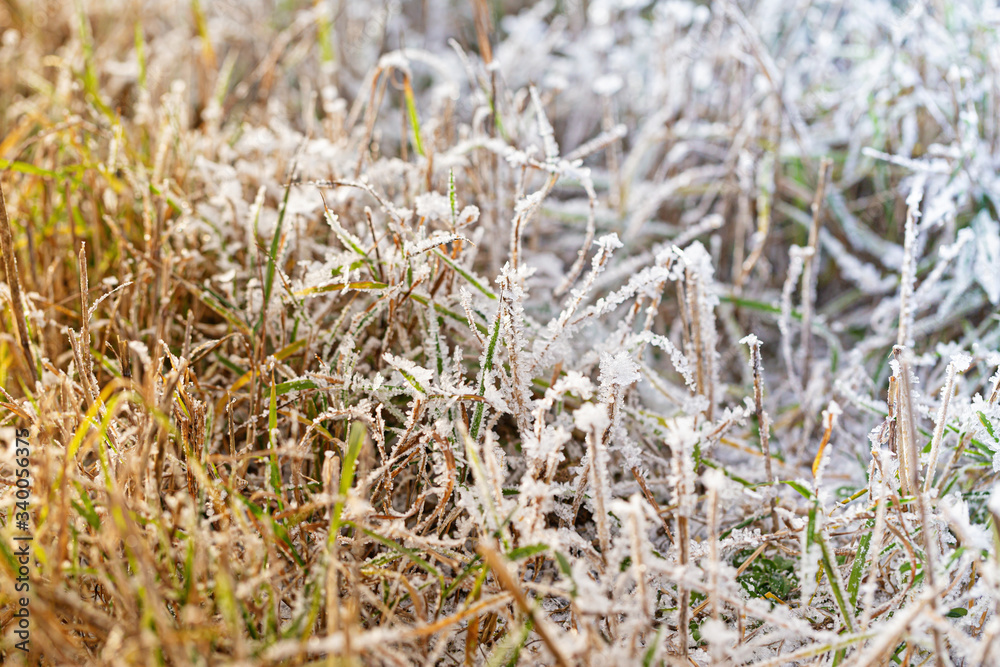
x=618 y=370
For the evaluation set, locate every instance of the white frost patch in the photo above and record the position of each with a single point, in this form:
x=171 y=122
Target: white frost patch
x=437 y=239
x=141 y=350
x=422 y=376
x=607 y=85
x=494 y=397
x=987 y=232
x=574 y=382
x=469 y=215
x=619 y=370
x=529 y=202
x=961 y=361
x=956 y=511
x=433 y=206
x=591 y=417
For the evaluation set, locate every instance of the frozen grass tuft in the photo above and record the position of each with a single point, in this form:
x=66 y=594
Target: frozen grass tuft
x=502 y=333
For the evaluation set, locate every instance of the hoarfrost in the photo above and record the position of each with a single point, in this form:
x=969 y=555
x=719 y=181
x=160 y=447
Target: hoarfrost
x=618 y=370
x=591 y=417
x=987 y=231
x=433 y=206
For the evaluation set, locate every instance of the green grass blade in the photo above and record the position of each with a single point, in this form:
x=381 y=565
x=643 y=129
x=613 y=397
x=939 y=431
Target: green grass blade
x=465 y=274
x=860 y=560
x=273 y=257
x=477 y=417
x=411 y=111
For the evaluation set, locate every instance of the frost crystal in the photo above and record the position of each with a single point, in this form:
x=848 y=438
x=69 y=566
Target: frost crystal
x=987 y=232
x=618 y=370
x=591 y=417
x=433 y=206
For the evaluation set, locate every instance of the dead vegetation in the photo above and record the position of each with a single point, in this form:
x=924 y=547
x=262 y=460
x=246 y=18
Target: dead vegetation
x=500 y=333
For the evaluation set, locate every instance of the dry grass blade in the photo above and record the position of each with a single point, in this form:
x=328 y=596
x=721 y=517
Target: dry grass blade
x=413 y=333
x=498 y=566
x=808 y=271
x=14 y=283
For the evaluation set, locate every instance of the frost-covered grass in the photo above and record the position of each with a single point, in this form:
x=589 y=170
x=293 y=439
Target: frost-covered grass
x=576 y=333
